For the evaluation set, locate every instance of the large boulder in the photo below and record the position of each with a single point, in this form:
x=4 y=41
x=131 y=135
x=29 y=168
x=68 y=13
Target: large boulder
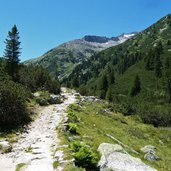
x=106 y=148
x=115 y=158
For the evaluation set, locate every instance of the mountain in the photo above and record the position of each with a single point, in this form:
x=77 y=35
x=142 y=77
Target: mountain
x=60 y=61
x=135 y=75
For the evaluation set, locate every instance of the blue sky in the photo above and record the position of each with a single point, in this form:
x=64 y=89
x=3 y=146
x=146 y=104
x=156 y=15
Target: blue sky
x=44 y=24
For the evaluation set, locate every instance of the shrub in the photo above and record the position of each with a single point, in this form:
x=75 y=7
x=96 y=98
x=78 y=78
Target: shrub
x=72 y=117
x=126 y=109
x=13 y=110
x=156 y=116
x=37 y=78
x=42 y=101
x=84 y=156
x=73 y=129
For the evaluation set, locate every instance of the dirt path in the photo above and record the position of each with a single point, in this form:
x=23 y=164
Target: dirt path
x=36 y=147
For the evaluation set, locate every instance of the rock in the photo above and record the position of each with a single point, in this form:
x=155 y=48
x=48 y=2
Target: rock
x=36 y=94
x=148 y=149
x=106 y=148
x=37 y=151
x=89 y=98
x=25 y=158
x=114 y=157
x=4 y=144
x=150 y=153
x=77 y=94
x=5 y=147
x=151 y=157
x=106 y=111
x=55 y=99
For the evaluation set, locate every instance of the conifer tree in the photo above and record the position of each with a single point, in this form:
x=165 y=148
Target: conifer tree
x=109 y=95
x=112 y=77
x=158 y=67
x=12 y=52
x=136 y=87
x=104 y=86
x=168 y=77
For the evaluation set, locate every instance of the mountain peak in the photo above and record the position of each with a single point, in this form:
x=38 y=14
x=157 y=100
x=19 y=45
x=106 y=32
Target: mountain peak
x=96 y=39
x=104 y=39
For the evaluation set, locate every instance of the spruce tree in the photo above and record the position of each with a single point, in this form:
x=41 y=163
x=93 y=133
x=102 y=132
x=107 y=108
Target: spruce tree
x=136 y=87
x=168 y=77
x=12 y=52
x=109 y=94
x=112 y=77
x=158 y=67
x=104 y=86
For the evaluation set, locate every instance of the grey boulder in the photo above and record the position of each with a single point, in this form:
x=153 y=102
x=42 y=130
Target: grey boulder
x=115 y=158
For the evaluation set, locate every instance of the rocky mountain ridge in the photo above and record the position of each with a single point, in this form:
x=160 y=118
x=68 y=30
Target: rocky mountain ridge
x=61 y=60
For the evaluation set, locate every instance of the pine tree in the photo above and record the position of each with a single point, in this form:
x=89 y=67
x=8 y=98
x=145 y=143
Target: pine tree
x=168 y=77
x=12 y=52
x=104 y=86
x=112 y=76
x=109 y=94
x=158 y=67
x=136 y=87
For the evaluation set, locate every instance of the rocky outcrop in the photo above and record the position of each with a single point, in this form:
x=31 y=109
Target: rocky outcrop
x=115 y=158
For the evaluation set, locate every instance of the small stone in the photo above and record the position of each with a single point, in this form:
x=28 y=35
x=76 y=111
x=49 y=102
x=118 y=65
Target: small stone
x=4 y=144
x=151 y=157
x=148 y=149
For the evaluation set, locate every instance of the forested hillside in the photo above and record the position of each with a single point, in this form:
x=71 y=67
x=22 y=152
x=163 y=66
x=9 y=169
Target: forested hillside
x=18 y=82
x=134 y=76
x=60 y=61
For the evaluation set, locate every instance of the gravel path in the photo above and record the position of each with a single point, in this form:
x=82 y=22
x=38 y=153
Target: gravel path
x=36 y=146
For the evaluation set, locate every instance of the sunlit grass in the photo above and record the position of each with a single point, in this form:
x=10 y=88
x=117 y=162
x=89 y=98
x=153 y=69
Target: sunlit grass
x=95 y=124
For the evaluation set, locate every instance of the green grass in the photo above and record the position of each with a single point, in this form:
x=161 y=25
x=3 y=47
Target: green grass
x=71 y=167
x=55 y=164
x=20 y=166
x=29 y=149
x=95 y=124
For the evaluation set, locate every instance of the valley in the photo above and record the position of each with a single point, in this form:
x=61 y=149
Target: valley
x=95 y=103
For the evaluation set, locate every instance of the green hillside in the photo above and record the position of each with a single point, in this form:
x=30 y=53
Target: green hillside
x=61 y=61
x=111 y=74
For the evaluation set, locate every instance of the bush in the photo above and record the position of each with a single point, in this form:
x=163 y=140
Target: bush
x=42 y=101
x=84 y=156
x=73 y=129
x=125 y=108
x=13 y=110
x=36 y=78
x=158 y=116
x=72 y=117
x=46 y=98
